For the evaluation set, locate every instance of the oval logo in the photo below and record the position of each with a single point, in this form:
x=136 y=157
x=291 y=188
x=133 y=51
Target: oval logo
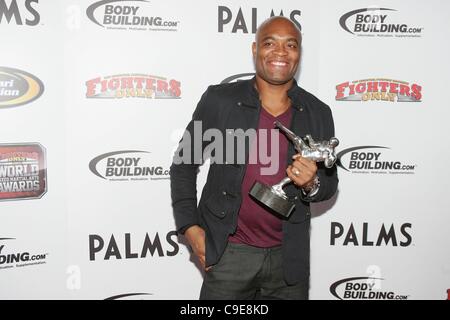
x=339 y=288
x=348 y=15
x=238 y=77
x=90 y=11
x=93 y=163
x=18 y=87
x=128 y=165
x=341 y=154
x=131 y=296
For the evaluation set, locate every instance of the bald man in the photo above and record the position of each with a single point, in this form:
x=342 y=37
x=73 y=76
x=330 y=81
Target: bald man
x=246 y=250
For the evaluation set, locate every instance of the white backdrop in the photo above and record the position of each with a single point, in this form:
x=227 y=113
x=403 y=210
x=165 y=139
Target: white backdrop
x=94 y=236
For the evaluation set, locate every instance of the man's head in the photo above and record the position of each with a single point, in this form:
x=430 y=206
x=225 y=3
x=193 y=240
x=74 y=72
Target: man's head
x=276 y=50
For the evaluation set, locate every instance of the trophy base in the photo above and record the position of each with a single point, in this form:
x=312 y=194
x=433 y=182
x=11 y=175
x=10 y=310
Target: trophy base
x=268 y=197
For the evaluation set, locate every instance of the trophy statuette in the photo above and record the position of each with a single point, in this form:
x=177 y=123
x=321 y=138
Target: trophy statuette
x=274 y=196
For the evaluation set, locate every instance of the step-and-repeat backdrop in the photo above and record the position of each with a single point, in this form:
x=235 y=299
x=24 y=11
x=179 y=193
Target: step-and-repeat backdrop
x=95 y=95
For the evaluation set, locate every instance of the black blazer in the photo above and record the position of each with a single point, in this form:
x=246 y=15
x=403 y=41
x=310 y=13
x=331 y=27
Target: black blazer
x=237 y=106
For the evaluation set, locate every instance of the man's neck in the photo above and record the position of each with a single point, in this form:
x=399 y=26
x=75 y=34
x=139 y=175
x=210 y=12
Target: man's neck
x=274 y=98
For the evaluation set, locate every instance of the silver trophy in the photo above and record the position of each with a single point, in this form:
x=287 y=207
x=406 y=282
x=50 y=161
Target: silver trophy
x=274 y=196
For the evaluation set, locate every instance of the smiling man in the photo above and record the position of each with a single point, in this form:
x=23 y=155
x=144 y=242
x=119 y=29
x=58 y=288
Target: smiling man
x=246 y=250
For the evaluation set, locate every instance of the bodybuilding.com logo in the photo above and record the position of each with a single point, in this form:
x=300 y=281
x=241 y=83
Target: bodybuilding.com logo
x=127 y=165
x=363 y=288
x=18 y=258
x=372 y=160
x=380 y=22
x=128 y=15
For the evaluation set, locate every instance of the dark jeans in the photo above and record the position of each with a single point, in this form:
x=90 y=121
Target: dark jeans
x=244 y=272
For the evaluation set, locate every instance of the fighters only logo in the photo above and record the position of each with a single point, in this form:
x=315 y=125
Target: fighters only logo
x=379 y=89
x=133 y=85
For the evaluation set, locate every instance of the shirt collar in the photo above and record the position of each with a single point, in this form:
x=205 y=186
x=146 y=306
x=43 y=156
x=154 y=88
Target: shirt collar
x=293 y=93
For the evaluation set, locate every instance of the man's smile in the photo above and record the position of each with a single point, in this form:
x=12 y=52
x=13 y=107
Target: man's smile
x=277 y=63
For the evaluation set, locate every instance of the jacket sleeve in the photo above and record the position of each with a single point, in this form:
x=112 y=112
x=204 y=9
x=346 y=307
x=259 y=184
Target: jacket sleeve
x=327 y=176
x=185 y=164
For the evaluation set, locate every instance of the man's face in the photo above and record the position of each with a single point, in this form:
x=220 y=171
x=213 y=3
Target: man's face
x=277 y=51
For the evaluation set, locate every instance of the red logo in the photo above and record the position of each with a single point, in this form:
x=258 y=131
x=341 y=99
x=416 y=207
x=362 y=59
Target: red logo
x=133 y=86
x=448 y=294
x=379 y=89
x=23 y=171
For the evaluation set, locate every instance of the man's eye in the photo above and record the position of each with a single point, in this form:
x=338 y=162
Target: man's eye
x=293 y=46
x=267 y=44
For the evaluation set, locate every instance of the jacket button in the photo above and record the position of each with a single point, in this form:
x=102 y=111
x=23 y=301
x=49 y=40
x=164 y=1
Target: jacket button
x=222 y=213
x=239 y=103
x=224 y=193
x=301 y=109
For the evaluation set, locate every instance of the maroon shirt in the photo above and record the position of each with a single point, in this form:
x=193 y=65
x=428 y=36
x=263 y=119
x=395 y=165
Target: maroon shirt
x=256 y=225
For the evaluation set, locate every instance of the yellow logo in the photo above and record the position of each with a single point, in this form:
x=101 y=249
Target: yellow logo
x=18 y=87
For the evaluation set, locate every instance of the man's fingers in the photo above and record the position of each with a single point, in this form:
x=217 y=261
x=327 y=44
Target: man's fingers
x=305 y=162
x=201 y=258
x=296 y=178
x=300 y=177
x=306 y=166
x=300 y=169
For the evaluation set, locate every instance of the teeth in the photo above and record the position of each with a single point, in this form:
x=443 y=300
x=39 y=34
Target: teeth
x=277 y=63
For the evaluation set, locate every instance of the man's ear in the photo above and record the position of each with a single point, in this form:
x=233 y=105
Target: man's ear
x=254 y=49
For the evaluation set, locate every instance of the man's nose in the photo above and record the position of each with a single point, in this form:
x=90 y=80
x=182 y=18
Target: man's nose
x=280 y=50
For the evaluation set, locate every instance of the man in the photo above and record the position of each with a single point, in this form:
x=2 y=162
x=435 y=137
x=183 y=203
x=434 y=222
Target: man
x=247 y=251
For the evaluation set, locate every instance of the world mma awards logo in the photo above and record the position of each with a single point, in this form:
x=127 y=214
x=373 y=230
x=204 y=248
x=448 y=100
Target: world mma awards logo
x=23 y=171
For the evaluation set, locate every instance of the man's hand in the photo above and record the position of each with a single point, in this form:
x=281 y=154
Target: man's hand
x=195 y=235
x=302 y=171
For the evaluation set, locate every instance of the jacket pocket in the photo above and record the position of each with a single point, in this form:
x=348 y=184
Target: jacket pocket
x=216 y=205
